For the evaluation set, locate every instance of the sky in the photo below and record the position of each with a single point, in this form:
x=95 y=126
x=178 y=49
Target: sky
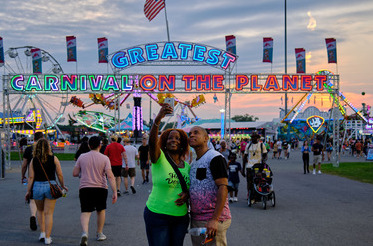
x=45 y=24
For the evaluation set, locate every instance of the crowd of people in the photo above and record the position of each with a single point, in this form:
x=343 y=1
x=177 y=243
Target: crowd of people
x=194 y=179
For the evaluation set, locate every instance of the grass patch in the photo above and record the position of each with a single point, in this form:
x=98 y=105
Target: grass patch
x=360 y=171
x=14 y=156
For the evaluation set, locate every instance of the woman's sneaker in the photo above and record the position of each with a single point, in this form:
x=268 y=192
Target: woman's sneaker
x=101 y=236
x=48 y=241
x=33 y=225
x=42 y=236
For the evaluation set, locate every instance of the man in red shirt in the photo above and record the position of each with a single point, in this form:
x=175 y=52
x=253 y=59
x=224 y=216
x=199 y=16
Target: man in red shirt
x=116 y=153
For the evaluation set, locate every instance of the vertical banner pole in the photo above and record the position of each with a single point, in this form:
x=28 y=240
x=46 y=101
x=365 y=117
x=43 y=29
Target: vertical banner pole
x=165 y=13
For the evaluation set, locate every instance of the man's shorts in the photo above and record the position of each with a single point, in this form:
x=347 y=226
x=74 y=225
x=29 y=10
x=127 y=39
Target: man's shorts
x=42 y=190
x=92 y=199
x=116 y=170
x=233 y=186
x=130 y=172
x=317 y=159
x=143 y=165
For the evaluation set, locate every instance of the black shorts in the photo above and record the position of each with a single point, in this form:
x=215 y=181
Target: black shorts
x=116 y=170
x=143 y=165
x=92 y=199
x=130 y=172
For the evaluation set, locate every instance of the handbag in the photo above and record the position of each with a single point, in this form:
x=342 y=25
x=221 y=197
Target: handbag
x=56 y=189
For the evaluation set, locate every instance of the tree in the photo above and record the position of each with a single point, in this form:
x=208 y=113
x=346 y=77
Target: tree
x=246 y=117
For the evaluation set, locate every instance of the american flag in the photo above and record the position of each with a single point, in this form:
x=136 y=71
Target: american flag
x=152 y=8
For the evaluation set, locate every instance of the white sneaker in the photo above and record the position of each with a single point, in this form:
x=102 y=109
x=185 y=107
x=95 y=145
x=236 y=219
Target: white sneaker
x=314 y=172
x=47 y=240
x=101 y=236
x=230 y=199
x=235 y=199
x=319 y=172
x=84 y=239
x=42 y=236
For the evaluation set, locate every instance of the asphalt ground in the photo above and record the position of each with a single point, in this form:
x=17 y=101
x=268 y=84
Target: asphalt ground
x=310 y=210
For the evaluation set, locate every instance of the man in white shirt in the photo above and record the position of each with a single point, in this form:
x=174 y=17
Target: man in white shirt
x=129 y=169
x=254 y=153
x=279 y=145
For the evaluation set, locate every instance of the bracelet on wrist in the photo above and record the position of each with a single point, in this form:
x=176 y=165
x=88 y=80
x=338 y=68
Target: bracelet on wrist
x=156 y=124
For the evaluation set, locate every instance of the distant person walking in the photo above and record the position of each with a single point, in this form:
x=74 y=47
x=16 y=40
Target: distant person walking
x=318 y=153
x=306 y=157
x=234 y=169
x=279 y=147
x=45 y=203
x=116 y=153
x=83 y=148
x=92 y=168
x=130 y=168
x=27 y=157
x=144 y=159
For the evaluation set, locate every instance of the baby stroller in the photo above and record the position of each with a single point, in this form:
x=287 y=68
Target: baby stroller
x=261 y=189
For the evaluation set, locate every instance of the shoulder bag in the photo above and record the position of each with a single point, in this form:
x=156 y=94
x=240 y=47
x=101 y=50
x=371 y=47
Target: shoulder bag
x=56 y=189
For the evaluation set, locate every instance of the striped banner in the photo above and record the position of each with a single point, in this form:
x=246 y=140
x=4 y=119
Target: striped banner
x=152 y=8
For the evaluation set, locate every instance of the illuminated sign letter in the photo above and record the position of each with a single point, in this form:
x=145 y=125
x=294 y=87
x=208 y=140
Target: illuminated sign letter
x=83 y=82
x=320 y=80
x=271 y=83
x=120 y=60
x=217 y=82
x=203 y=83
x=213 y=58
x=148 y=82
x=14 y=82
x=110 y=83
x=135 y=55
x=228 y=58
x=71 y=82
x=254 y=83
x=291 y=83
x=95 y=82
x=50 y=82
x=164 y=82
x=188 y=81
x=125 y=83
x=33 y=83
x=151 y=52
x=169 y=51
x=306 y=83
x=199 y=53
x=184 y=50
x=241 y=81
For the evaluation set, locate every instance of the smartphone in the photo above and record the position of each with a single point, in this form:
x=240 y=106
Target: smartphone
x=171 y=102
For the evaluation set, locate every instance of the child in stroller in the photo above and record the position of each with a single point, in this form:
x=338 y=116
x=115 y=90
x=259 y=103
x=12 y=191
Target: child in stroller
x=261 y=185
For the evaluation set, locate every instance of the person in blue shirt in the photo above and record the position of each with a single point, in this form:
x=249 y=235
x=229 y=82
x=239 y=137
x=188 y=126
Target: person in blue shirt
x=233 y=177
x=306 y=156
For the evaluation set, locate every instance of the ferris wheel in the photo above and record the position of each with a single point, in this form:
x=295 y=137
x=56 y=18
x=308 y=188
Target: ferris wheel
x=51 y=107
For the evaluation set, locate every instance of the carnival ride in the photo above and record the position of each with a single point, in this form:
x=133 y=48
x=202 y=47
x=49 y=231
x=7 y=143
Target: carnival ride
x=47 y=109
x=96 y=120
x=300 y=128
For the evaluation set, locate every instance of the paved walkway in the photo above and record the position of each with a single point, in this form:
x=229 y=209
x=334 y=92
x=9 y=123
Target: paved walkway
x=310 y=210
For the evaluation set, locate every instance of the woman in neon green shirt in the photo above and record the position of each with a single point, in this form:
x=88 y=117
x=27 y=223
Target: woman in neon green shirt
x=166 y=212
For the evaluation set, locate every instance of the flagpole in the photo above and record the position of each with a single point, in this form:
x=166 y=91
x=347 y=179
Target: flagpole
x=165 y=13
